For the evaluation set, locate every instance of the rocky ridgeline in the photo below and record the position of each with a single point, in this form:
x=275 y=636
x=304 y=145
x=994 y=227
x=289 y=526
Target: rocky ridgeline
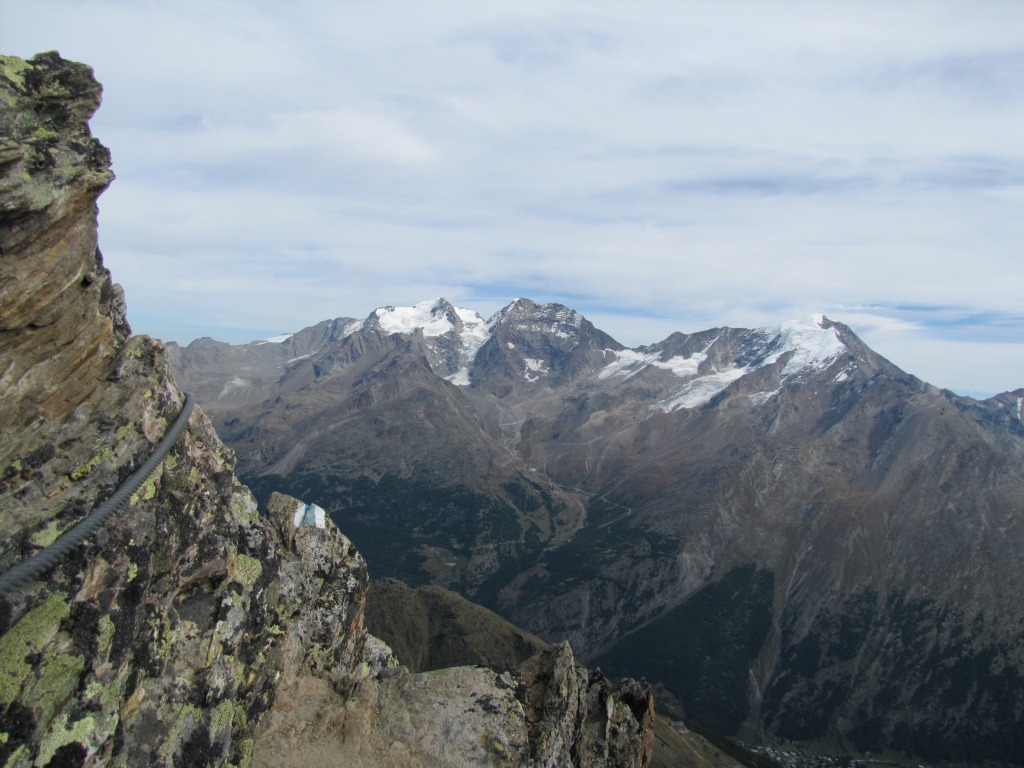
x=191 y=629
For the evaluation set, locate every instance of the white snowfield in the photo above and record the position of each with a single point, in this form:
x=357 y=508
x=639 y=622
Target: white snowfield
x=276 y=339
x=813 y=346
x=698 y=391
x=421 y=316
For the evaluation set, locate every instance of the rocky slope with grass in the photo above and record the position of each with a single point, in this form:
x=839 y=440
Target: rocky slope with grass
x=193 y=629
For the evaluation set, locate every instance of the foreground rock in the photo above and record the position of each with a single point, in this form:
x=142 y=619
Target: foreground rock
x=551 y=712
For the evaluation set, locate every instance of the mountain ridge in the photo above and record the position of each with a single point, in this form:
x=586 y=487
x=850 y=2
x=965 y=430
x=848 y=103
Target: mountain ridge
x=585 y=490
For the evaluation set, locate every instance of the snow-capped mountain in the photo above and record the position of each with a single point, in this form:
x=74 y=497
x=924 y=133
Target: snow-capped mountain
x=526 y=343
x=827 y=544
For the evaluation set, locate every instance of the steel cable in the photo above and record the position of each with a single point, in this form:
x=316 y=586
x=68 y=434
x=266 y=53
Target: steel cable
x=48 y=557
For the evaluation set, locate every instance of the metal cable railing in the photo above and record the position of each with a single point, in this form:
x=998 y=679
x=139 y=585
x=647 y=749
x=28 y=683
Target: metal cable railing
x=48 y=557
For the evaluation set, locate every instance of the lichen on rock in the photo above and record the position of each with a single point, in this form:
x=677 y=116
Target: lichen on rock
x=154 y=639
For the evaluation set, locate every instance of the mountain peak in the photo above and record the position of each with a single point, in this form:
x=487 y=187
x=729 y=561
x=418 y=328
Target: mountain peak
x=524 y=309
x=814 y=342
x=435 y=317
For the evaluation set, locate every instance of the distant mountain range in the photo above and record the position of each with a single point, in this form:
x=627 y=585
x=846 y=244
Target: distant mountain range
x=777 y=527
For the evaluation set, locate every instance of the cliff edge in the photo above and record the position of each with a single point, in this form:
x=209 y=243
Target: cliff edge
x=191 y=629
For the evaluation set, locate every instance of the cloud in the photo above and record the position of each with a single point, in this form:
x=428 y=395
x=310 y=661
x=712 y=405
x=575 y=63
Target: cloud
x=671 y=166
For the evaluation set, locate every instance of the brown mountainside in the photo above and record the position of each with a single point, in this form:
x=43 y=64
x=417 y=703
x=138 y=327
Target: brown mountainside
x=779 y=527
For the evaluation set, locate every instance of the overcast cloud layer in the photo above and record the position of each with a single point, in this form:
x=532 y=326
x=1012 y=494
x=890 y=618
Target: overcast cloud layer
x=656 y=166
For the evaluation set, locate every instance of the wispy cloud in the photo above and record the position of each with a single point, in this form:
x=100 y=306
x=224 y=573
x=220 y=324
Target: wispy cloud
x=670 y=166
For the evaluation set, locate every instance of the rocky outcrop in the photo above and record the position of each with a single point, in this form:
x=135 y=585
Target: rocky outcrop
x=161 y=638
x=584 y=714
x=190 y=629
x=62 y=326
x=550 y=713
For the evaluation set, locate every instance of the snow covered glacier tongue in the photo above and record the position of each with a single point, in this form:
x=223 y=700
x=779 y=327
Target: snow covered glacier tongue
x=811 y=345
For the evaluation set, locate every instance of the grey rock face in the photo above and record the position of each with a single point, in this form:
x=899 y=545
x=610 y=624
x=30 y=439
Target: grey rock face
x=550 y=713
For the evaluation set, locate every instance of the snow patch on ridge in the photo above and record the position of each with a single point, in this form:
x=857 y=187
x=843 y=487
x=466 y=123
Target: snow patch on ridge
x=760 y=398
x=627 y=363
x=407 y=320
x=700 y=390
x=814 y=348
x=534 y=369
x=433 y=319
x=682 y=366
x=475 y=332
x=276 y=339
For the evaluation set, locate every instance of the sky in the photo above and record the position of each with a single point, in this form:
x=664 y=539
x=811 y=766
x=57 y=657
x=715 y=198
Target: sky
x=657 y=166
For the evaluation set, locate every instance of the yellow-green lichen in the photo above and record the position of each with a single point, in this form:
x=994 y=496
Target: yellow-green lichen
x=148 y=492
x=20 y=756
x=125 y=430
x=13 y=69
x=109 y=695
x=84 y=470
x=28 y=636
x=106 y=634
x=240 y=719
x=246 y=570
x=44 y=134
x=221 y=716
x=245 y=750
x=188 y=717
x=244 y=506
x=46 y=536
x=216 y=648
x=59 y=735
x=167 y=639
x=133 y=571
x=161 y=634
x=57 y=677
x=16 y=465
x=170 y=462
